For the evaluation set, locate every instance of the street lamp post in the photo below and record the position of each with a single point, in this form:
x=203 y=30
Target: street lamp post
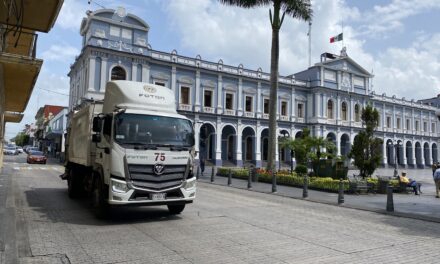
x=395 y=145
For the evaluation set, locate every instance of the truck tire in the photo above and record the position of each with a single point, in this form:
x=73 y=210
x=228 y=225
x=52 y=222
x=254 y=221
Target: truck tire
x=99 y=204
x=73 y=186
x=175 y=209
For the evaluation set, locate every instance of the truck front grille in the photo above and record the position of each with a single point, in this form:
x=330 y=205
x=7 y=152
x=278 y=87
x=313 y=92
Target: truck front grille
x=143 y=176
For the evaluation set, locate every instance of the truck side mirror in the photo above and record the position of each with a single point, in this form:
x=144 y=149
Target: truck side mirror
x=97 y=124
x=96 y=138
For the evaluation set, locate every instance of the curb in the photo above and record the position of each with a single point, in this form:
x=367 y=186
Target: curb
x=378 y=211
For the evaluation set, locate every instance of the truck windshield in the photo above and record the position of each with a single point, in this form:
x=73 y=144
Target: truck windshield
x=151 y=130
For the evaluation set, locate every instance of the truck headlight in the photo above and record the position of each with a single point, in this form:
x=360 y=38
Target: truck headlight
x=190 y=184
x=119 y=186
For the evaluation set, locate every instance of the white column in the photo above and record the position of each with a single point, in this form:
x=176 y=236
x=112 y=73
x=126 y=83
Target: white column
x=197 y=126
x=413 y=123
x=351 y=110
x=324 y=106
x=197 y=103
x=259 y=100
x=218 y=145
x=384 y=117
x=173 y=83
x=414 y=160
x=239 y=147
x=338 y=109
x=258 y=144
x=133 y=71
x=404 y=152
x=145 y=73
x=240 y=97
x=384 y=151
x=394 y=119
x=317 y=108
x=104 y=71
x=91 y=74
x=322 y=76
x=338 y=143
x=219 y=94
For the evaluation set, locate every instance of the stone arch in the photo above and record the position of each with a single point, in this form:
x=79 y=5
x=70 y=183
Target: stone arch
x=390 y=152
x=426 y=153
x=118 y=72
x=207 y=144
x=409 y=153
x=418 y=151
x=229 y=143
x=264 y=144
x=298 y=134
x=345 y=144
x=248 y=144
x=434 y=154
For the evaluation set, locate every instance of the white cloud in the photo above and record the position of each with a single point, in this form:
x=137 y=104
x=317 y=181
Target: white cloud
x=390 y=17
x=60 y=53
x=71 y=14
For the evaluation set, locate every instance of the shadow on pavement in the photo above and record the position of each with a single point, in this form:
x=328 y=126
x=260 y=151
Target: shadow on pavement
x=54 y=205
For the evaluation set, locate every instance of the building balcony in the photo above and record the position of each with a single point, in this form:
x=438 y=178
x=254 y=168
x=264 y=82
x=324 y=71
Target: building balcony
x=185 y=107
x=207 y=109
x=331 y=121
x=229 y=112
x=284 y=118
x=249 y=114
x=300 y=119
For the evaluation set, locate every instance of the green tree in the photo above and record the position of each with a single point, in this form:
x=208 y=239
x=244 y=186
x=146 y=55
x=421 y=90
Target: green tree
x=300 y=9
x=366 y=150
x=21 y=139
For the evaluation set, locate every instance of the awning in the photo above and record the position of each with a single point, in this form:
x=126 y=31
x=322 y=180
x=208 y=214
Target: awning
x=13 y=117
x=38 y=15
x=20 y=74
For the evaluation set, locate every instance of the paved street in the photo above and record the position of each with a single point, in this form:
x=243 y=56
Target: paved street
x=40 y=224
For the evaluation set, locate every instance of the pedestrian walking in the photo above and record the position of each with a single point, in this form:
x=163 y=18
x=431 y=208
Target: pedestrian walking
x=437 y=181
x=202 y=155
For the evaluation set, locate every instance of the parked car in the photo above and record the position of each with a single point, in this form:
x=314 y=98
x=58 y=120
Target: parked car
x=10 y=151
x=25 y=147
x=29 y=149
x=36 y=157
x=20 y=150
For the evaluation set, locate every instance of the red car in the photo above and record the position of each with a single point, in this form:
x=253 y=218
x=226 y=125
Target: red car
x=36 y=157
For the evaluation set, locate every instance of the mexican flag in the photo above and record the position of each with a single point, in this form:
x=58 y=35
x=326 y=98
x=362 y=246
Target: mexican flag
x=336 y=38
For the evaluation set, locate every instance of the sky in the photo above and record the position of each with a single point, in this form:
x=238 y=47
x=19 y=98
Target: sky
x=396 y=40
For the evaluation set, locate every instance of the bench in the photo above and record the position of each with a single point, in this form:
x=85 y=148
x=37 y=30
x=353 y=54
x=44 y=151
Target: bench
x=358 y=185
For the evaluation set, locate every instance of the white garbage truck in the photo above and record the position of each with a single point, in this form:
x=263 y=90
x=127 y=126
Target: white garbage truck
x=131 y=148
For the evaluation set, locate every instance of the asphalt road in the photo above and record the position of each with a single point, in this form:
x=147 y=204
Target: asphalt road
x=40 y=224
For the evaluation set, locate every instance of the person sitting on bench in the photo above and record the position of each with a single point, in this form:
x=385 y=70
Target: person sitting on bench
x=411 y=183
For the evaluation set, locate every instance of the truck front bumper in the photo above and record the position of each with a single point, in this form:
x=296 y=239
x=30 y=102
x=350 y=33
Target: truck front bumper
x=121 y=194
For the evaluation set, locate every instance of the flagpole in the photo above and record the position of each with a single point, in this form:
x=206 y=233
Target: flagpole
x=310 y=43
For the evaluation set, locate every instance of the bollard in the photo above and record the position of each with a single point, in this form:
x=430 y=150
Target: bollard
x=274 y=182
x=341 y=192
x=198 y=172
x=305 y=187
x=390 y=202
x=230 y=177
x=212 y=173
x=249 y=180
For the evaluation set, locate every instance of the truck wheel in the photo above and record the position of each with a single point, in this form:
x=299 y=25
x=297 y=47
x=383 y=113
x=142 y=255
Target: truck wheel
x=100 y=206
x=72 y=184
x=175 y=209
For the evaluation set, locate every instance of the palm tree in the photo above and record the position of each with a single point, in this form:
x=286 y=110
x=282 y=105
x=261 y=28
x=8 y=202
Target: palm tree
x=300 y=9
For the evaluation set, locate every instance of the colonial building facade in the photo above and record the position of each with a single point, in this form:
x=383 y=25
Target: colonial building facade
x=230 y=104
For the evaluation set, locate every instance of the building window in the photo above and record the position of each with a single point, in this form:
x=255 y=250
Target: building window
x=284 y=108
x=300 y=110
x=344 y=111
x=229 y=101
x=126 y=33
x=115 y=31
x=357 y=115
x=118 y=73
x=408 y=126
x=425 y=127
x=433 y=128
x=417 y=125
x=184 y=95
x=159 y=83
x=398 y=123
x=266 y=106
x=388 y=122
x=248 y=103
x=208 y=98
x=330 y=109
